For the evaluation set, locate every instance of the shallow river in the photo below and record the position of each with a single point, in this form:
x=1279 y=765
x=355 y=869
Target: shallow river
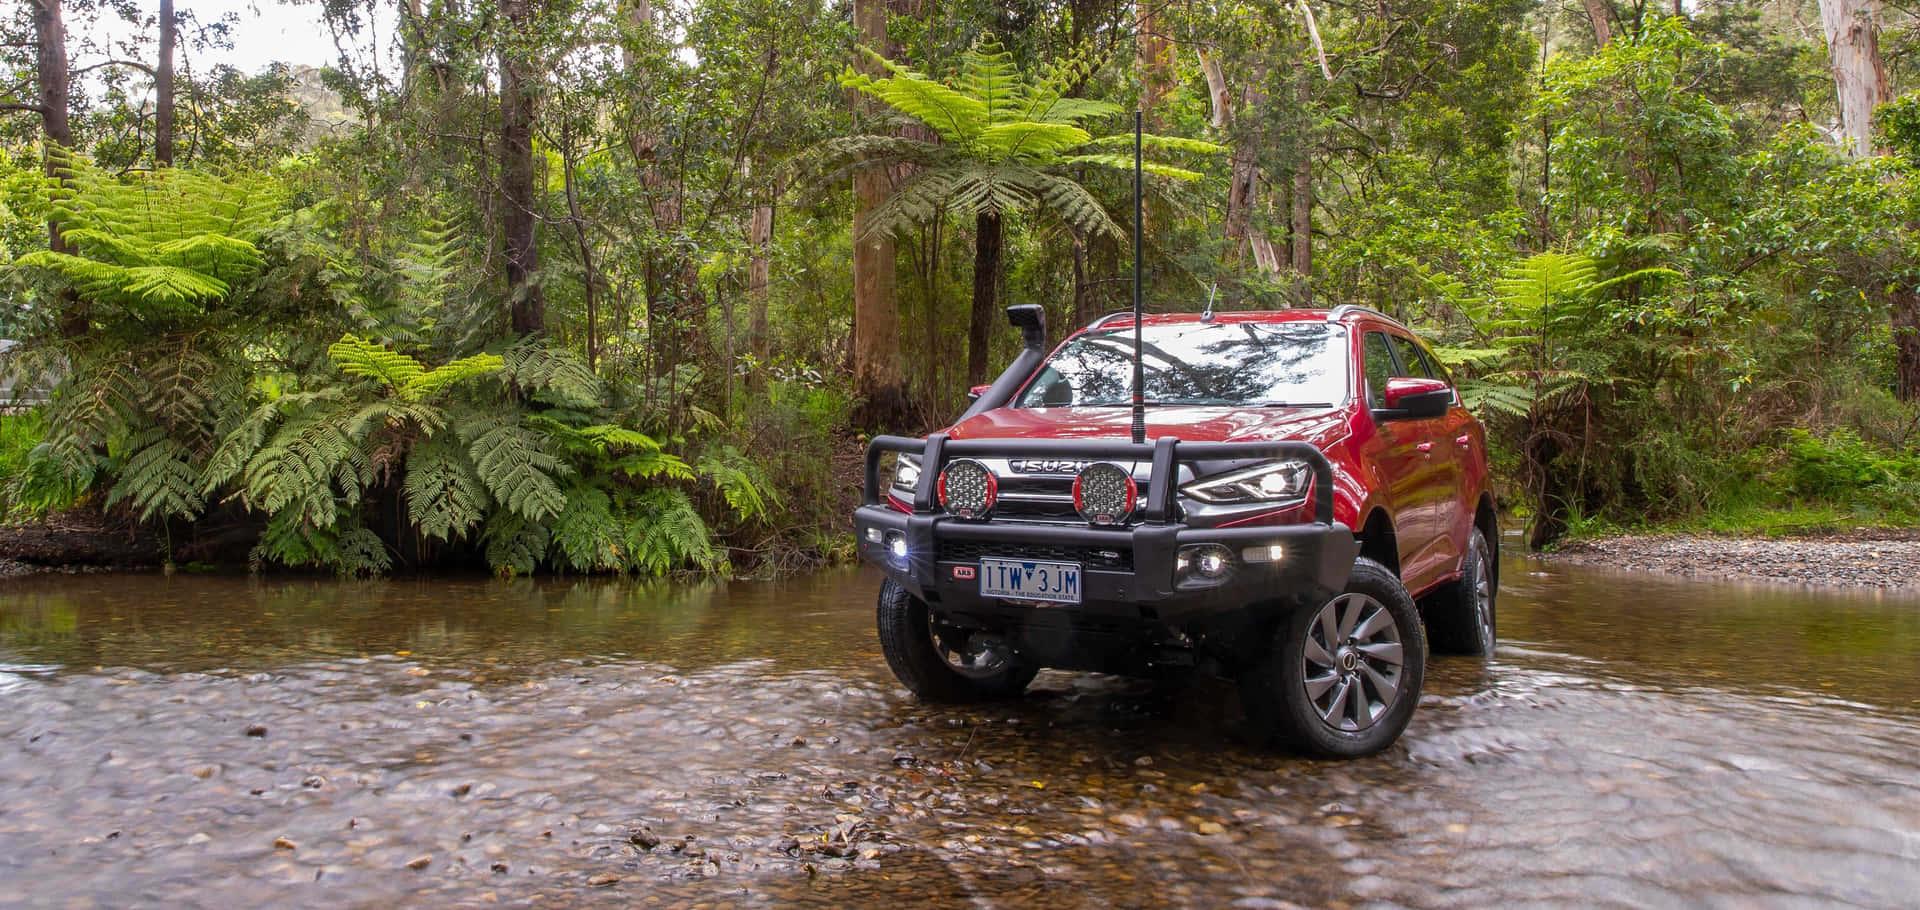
x=228 y=742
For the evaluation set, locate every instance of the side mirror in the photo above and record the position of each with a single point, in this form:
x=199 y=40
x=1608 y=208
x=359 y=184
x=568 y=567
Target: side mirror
x=974 y=393
x=1408 y=398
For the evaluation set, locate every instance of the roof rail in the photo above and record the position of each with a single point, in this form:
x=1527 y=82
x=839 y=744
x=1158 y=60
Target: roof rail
x=1347 y=308
x=1108 y=318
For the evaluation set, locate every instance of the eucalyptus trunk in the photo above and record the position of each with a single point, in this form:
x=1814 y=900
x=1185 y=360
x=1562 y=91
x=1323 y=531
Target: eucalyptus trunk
x=987 y=256
x=528 y=305
x=878 y=380
x=163 y=88
x=50 y=33
x=1860 y=81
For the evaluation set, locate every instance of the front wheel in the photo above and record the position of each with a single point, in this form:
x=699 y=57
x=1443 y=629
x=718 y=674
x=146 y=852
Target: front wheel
x=1342 y=678
x=945 y=663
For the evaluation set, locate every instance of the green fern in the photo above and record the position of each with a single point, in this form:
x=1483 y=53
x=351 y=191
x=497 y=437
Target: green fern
x=514 y=545
x=515 y=468
x=445 y=498
x=158 y=478
x=1006 y=141
x=667 y=533
x=586 y=536
x=553 y=375
x=740 y=482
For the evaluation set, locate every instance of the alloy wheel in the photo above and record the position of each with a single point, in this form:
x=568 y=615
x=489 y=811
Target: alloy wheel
x=1352 y=662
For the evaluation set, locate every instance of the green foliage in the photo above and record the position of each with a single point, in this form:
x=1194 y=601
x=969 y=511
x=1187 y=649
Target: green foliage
x=158 y=246
x=1005 y=144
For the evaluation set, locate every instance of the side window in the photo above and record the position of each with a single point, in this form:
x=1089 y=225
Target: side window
x=1379 y=368
x=1411 y=363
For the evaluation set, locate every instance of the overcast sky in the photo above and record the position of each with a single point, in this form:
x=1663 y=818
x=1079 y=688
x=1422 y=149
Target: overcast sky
x=266 y=31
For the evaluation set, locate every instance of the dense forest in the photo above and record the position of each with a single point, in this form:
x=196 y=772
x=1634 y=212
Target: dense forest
x=610 y=285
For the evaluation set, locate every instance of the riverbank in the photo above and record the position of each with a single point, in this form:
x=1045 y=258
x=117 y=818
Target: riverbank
x=1862 y=558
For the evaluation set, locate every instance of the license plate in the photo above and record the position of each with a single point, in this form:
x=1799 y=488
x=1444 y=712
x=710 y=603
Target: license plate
x=1023 y=579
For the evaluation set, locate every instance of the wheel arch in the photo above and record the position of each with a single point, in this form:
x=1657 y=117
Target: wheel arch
x=1377 y=540
x=1487 y=520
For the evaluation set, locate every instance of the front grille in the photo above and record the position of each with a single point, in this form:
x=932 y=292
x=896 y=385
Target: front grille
x=1119 y=556
x=1043 y=498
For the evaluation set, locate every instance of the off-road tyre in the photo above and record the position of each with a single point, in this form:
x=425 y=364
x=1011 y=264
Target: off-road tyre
x=907 y=641
x=1460 y=615
x=1275 y=692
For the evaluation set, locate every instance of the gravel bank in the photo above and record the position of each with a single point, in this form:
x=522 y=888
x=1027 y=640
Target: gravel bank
x=1864 y=558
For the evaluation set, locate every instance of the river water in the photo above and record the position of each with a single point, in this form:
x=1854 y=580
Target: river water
x=232 y=741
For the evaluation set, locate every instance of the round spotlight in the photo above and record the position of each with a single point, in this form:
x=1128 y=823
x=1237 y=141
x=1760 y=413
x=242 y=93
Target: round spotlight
x=1104 y=494
x=967 y=489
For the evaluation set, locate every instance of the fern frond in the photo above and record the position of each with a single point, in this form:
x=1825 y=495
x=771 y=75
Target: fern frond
x=667 y=533
x=585 y=534
x=356 y=356
x=158 y=478
x=445 y=498
x=515 y=545
x=437 y=380
x=552 y=374
x=1120 y=162
x=516 y=470
x=741 y=482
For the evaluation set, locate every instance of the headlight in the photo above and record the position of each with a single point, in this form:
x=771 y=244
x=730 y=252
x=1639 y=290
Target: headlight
x=906 y=474
x=1274 y=482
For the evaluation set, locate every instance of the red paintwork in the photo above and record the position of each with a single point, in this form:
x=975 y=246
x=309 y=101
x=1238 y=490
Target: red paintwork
x=1428 y=477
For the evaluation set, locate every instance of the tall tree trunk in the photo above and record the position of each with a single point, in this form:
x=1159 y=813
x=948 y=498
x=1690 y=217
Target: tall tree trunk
x=1859 y=80
x=877 y=377
x=986 y=287
x=1302 y=197
x=1906 y=339
x=1600 y=13
x=163 y=89
x=529 y=308
x=759 y=273
x=50 y=33
x=1155 y=51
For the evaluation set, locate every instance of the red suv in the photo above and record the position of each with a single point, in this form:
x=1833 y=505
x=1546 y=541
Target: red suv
x=1309 y=510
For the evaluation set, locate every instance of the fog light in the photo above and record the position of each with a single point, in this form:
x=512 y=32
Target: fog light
x=1272 y=553
x=873 y=535
x=1210 y=561
x=897 y=546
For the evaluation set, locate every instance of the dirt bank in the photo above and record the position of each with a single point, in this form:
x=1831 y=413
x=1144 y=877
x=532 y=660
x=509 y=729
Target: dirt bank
x=1869 y=558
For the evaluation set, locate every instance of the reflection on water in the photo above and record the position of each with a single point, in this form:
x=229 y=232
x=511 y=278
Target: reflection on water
x=213 y=741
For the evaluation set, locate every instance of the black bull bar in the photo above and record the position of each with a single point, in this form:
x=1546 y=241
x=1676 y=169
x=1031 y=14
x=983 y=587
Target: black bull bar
x=1321 y=552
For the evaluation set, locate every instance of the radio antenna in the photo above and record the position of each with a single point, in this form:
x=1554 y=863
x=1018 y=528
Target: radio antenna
x=1139 y=381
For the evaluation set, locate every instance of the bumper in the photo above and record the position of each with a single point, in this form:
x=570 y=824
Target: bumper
x=1130 y=573
x=1314 y=564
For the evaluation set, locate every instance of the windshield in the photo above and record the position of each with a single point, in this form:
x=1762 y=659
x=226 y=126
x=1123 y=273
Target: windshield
x=1294 y=364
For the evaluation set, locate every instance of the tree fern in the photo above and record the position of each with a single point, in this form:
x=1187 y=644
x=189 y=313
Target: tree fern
x=553 y=375
x=158 y=477
x=445 y=498
x=585 y=535
x=515 y=468
x=740 y=481
x=667 y=533
x=514 y=545
x=1006 y=144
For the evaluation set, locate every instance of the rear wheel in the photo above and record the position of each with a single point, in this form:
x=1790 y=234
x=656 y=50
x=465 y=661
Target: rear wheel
x=1460 y=616
x=945 y=663
x=1342 y=678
